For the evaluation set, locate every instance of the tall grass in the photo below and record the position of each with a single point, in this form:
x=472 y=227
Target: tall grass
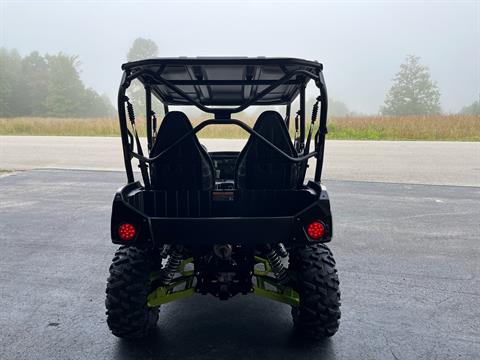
x=448 y=127
x=59 y=126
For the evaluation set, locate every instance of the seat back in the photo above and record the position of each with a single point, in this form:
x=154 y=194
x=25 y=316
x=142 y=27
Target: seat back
x=261 y=167
x=187 y=166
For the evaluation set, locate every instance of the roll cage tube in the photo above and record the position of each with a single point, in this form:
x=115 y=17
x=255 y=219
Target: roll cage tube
x=322 y=127
x=207 y=109
x=222 y=122
x=148 y=114
x=319 y=136
x=125 y=134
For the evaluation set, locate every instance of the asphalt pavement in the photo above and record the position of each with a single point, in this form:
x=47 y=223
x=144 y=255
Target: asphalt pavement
x=407 y=257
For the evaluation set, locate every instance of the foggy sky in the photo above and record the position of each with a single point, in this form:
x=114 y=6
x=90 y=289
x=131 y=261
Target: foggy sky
x=361 y=44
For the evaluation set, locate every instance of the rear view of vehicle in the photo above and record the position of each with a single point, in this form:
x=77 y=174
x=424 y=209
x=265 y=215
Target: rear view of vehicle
x=223 y=223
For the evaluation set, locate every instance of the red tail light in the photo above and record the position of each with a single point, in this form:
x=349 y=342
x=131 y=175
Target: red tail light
x=126 y=232
x=316 y=230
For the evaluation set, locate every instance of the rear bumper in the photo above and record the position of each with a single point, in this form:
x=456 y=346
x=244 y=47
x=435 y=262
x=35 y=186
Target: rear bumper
x=211 y=231
x=155 y=231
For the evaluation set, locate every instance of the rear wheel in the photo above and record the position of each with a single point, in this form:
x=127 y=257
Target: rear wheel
x=128 y=286
x=318 y=315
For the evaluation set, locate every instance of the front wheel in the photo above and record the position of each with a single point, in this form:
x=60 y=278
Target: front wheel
x=128 y=286
x=318 y=314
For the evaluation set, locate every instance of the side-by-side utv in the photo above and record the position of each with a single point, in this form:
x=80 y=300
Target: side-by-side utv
x=223 y=223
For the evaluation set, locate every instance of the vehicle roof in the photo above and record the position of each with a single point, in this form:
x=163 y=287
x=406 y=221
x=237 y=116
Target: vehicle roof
x=222 y=81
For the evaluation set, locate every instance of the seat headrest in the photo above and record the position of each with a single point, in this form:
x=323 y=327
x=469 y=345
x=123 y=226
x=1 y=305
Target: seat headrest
x=174 y=126
x=271 y=126
x=187 y=166
x=261 y=167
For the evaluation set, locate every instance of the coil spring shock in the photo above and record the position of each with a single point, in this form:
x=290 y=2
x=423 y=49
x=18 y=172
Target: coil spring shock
x=281 y=250
x=315 y=109
x=131 y=112
x=172 y=265
x=276 y=265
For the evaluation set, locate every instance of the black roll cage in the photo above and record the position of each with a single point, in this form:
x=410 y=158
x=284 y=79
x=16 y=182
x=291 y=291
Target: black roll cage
x=222 y=115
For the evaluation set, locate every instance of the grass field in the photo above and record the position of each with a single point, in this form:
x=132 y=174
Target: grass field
x=448 y=127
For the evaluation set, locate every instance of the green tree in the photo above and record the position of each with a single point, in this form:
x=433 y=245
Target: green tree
x=5 y=87
x=110 y=110
x=141 y=49
x=412 y=92
x=473 y=109
x=47 y=85
x=68 y=90
x=95 y=105
x=10 y=81
x=35 y=79
x=65 y=89
x=66 y=94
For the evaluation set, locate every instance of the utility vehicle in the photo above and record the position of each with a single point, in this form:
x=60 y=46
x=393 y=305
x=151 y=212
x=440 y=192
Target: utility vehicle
x=223 y=223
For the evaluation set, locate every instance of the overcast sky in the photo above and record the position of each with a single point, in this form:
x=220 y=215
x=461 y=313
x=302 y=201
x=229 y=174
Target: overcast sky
x=361 y=44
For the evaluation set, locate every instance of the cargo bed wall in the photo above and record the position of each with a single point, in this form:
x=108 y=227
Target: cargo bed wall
x=228 y=203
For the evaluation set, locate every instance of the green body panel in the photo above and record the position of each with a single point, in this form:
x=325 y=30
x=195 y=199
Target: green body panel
x=277 y=292
x=266 y=286
x=162 y=296
x=166 y=294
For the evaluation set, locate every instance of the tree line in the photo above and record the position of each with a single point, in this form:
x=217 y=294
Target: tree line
x=50 y=85
x=46 y=86
x=413 y=92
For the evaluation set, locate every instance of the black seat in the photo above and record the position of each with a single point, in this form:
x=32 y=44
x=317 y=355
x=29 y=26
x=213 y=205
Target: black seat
x=187 y=166
x=261 y=167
